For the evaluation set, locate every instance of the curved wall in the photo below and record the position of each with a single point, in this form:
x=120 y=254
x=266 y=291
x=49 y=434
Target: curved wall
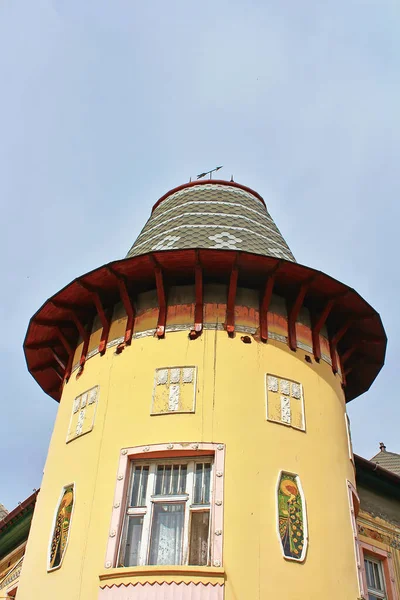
x=231 y=410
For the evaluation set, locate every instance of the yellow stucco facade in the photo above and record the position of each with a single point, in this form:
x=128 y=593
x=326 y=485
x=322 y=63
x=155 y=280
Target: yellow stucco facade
x=230 y=409
x=201 y=449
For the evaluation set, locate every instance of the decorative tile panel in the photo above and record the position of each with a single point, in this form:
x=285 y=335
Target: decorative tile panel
x=83 y=414
x=285 y=402
x=61 y=527
x=292 y=520
x=174 y=390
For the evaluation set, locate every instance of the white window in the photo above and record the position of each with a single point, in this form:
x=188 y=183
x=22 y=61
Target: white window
x=375 y=579
x=167 y=519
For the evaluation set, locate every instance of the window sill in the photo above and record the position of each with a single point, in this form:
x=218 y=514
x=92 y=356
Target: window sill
x=162 y=573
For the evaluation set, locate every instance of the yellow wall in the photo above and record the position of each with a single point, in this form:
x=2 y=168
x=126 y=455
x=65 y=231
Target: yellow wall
x=230 y=408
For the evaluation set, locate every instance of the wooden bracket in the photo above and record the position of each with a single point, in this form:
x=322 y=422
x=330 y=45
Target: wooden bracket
x=266 y=300
x=198 y=309
x=334 y=340
x=317 y=326
x=162 y=304
x=230 y=307
x=104 y=318
x=128 y=305
x=294 y=312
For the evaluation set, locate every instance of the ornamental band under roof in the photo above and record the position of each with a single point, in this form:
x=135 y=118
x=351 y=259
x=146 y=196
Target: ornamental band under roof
x=198 y=235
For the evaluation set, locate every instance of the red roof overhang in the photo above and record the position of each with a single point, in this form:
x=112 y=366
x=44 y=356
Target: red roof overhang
x=354 y=326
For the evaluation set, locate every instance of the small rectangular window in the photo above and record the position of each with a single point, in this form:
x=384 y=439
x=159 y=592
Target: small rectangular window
x=375 y=579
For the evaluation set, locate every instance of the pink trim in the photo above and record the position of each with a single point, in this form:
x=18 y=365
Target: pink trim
x=162 y=451
x=388 y=569
x=166 y=591
x=354 y=505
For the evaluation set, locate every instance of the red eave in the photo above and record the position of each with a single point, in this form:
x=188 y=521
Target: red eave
x=52 y=331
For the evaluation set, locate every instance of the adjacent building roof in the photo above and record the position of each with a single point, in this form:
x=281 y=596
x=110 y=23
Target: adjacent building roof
x=3 y=511
x=212 y=214
x=388 y=460
x=376 y=477
x=15 y=526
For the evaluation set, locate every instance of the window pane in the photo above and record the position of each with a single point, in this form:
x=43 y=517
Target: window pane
x=133 y=540
x=369 y=573
x=139 y=486
x=166 y=489
x=207 y=478
x=171 y=479
x=202 y=483
x=198 y=483
x=198 y=551
x=175 y=479
x=143 y=489
x=182 y=479
x=378 y=580
x=159 y=478
x=166 y=534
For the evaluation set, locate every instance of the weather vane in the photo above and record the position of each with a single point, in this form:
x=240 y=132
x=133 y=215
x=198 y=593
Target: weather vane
x=209 y=172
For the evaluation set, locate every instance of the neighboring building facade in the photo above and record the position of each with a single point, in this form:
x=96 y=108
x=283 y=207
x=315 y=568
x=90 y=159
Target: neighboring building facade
x=14 y=531
x=201 y=448
x=378 y=527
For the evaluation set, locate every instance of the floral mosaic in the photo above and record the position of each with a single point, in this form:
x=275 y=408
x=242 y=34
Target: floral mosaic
x=61 y=529
x=291 y=516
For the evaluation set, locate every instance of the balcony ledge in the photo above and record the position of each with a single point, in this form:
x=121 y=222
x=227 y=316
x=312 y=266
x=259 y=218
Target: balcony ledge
x=162 y=574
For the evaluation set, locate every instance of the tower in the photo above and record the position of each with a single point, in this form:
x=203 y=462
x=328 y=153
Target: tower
x=201 y=447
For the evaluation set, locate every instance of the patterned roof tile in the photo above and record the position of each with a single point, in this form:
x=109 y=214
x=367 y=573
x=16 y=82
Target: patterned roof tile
x=388 y=460
x=212 y=215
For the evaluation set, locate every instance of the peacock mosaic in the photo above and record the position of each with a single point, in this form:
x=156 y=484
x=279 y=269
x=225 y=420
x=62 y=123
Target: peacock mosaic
x=60 y=534
x=285 y=402
x=174 y=390
x=292 y=524
x=83 y=414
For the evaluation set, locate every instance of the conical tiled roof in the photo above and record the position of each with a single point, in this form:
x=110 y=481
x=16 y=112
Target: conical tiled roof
x=212 y=214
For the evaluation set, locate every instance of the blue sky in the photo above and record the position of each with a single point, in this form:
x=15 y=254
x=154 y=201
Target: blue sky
x=105 y=105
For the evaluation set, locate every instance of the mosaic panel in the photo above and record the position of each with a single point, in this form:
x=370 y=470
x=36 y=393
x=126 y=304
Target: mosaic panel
x=285 y=402
x=292 y=524
x=61 y=528
x=174 y=390
x=83 y=413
